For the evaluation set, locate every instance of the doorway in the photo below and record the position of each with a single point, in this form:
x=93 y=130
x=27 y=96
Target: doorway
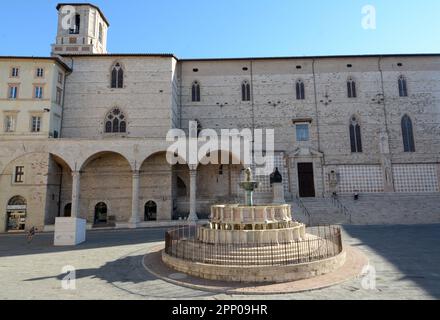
x=16 y=214
x=101 y=213
x=150 y=211
x=306 y=180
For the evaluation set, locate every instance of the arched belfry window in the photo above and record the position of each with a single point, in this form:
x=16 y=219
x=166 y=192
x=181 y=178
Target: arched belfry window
x=117 y=76
x=408 y=134
x=300 y=90
x=195 y=91
x=351 y=88
x=355 y=136
x=76 y=25
x=403 y=89
x=245 y=91
x=115 y=122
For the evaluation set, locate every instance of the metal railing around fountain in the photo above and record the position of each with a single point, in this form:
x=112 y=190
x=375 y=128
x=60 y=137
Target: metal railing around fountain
x=323 y=242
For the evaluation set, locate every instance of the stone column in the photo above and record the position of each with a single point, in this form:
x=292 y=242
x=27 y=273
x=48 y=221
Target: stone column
x=76 y=188
x=193 y=194
x=134 y=220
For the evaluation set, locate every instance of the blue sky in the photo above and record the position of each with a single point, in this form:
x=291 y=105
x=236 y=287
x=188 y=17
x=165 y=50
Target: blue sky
x=235 y=28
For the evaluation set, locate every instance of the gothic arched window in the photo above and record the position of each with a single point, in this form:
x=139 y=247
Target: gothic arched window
x=115 y=122
x=117 y=76
x=355 y=136
x=245 y=91
x=403 y=89
x=351 y=88
x=195 y=90
x=408 y=134
x=300 y=90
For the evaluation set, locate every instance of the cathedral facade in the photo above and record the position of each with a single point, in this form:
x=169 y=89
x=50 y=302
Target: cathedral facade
x=83 y=131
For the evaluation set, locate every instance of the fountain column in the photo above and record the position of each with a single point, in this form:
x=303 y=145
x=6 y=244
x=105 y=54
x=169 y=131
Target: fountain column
x=193 y=194
x=135 y=200
x=76 y=184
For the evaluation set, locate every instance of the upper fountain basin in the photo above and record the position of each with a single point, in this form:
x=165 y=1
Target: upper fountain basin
x=236 y=214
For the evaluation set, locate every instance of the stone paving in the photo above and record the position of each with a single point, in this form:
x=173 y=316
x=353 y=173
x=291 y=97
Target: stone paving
x=109 y=266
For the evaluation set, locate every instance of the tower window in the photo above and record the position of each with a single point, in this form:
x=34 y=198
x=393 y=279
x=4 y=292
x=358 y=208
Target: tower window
x=195 y=92
x=117 y=77
x=76 y=26
x=351 y=88
x=403 y=89
x=245 y=91
x=408 y=134
x=300 y=90
x=115 y=122
x=355 y=136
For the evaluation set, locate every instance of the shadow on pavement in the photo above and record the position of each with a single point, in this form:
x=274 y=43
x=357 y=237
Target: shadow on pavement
x=16 y=244
x=412 y=249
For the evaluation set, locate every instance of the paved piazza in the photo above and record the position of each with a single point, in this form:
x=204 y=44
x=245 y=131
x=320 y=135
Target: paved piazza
x=109 y=266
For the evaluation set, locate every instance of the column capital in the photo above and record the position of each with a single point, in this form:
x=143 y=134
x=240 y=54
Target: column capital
x=76 y=173
x=136 y=173
x=193 y=168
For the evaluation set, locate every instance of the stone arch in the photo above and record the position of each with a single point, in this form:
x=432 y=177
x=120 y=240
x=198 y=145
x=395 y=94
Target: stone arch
x=57 y=157
x=219 y=154
x=107 y=177
x=93 y=156
x=216 y=183
x=157 y=176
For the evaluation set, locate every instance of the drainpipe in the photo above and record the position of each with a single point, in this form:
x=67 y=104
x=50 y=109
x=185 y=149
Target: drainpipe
x=180 y=94
x=383 y=93
x=316 y=104
x=317 y=128
x=252 y=109
x=64 y=96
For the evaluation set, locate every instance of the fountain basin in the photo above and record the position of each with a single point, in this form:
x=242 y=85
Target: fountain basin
x=254 y=215
x=291 y=232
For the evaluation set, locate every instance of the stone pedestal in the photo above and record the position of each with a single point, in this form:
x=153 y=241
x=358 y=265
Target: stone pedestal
x=278 y=193
x=69 y=231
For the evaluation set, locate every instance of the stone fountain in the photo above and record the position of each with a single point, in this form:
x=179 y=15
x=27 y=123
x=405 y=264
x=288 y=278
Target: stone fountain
x=249 y=187
x=252 y=243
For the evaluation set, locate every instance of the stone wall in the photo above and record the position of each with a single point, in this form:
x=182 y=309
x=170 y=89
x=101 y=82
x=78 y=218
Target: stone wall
x=146 y=99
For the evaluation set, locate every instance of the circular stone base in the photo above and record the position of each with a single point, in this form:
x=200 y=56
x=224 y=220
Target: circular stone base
x=256 y=274
x=352 y=268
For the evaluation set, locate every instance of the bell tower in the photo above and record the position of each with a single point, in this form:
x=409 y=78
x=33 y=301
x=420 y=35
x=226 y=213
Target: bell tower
x=82 y=29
